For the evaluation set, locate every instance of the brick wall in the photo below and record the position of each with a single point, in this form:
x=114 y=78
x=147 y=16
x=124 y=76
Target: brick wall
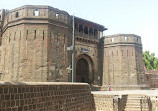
x=44 y=96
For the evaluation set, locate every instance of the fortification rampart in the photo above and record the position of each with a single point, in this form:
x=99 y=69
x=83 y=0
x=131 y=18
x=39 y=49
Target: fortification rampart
x=34 y=40
x=123 y=63
x=45 y=97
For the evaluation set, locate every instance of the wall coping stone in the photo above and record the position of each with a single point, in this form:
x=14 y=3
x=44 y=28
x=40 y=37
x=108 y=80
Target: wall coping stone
x=40 y=83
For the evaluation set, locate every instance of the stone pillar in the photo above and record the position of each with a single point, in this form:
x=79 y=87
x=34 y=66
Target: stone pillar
x=98 y=34
x=153 y=103
x=78 y=28
x=83 y=30
x=88 y=31
x=116 y=103
x=93 y=33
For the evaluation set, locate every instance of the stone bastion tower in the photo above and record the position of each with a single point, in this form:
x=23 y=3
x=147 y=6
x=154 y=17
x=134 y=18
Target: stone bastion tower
x=123 y=65
x=34 y=42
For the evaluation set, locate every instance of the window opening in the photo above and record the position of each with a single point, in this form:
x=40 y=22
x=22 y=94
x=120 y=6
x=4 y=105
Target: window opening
x=126 y=38
x=43 y=34
x=86 y=30
x=27 y=34
x=36 y=13
x=57 y=15
x=34 y=34
x=80 y=28
x=112 y=39
x=17 y=14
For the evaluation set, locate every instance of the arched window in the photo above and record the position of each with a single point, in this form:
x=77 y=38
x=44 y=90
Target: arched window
x=36 y=13
x=17 y=14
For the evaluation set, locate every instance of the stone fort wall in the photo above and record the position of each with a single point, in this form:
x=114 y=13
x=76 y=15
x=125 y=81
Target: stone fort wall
x=42 y=96
x=123 y=64
x=34 y=48
x=152 y=77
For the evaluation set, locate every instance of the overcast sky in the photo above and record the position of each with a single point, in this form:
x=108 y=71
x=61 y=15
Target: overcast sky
x=138 y=17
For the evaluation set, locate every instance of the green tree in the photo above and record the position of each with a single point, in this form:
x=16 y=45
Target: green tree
x=150 y=61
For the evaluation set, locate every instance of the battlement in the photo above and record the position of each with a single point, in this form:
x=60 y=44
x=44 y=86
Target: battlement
x=122 y=39
x=36 y=12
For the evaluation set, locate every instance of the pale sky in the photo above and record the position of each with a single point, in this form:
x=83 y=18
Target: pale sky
x=138 y=17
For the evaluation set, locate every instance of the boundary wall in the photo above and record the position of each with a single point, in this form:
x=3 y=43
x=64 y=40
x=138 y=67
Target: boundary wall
x=42 y=96
x=62 y=96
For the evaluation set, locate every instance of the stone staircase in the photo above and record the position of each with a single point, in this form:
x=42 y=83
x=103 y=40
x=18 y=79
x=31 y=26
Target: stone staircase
x=134 y=103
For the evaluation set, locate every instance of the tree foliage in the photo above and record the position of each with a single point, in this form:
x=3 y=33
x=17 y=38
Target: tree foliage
x=151 y=62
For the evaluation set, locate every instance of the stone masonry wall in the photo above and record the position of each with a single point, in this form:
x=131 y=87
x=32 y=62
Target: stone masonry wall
x=59 y=58
x=44 y=96
x=103 y=102
x=24 y=54
x=123 y=63
x=152 y=77
x=34 y=40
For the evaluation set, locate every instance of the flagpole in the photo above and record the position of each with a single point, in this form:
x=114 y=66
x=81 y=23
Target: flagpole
x=73 y=50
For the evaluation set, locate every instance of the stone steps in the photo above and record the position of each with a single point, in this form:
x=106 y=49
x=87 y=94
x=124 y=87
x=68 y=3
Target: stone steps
x=133 y=103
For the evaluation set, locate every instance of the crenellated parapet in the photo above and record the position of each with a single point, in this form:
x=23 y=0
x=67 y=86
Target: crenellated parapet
x=122 y=39
x=34 y=14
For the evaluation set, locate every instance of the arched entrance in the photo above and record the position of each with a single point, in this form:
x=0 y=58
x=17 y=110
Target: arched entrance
x=84 y=69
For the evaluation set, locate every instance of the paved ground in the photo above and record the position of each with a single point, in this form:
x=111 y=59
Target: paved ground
x=146 y=92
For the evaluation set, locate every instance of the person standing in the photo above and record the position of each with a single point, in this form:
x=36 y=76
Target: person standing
x=109 y=87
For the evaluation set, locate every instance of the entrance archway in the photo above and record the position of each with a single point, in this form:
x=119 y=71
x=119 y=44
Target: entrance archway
x=84 y=69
